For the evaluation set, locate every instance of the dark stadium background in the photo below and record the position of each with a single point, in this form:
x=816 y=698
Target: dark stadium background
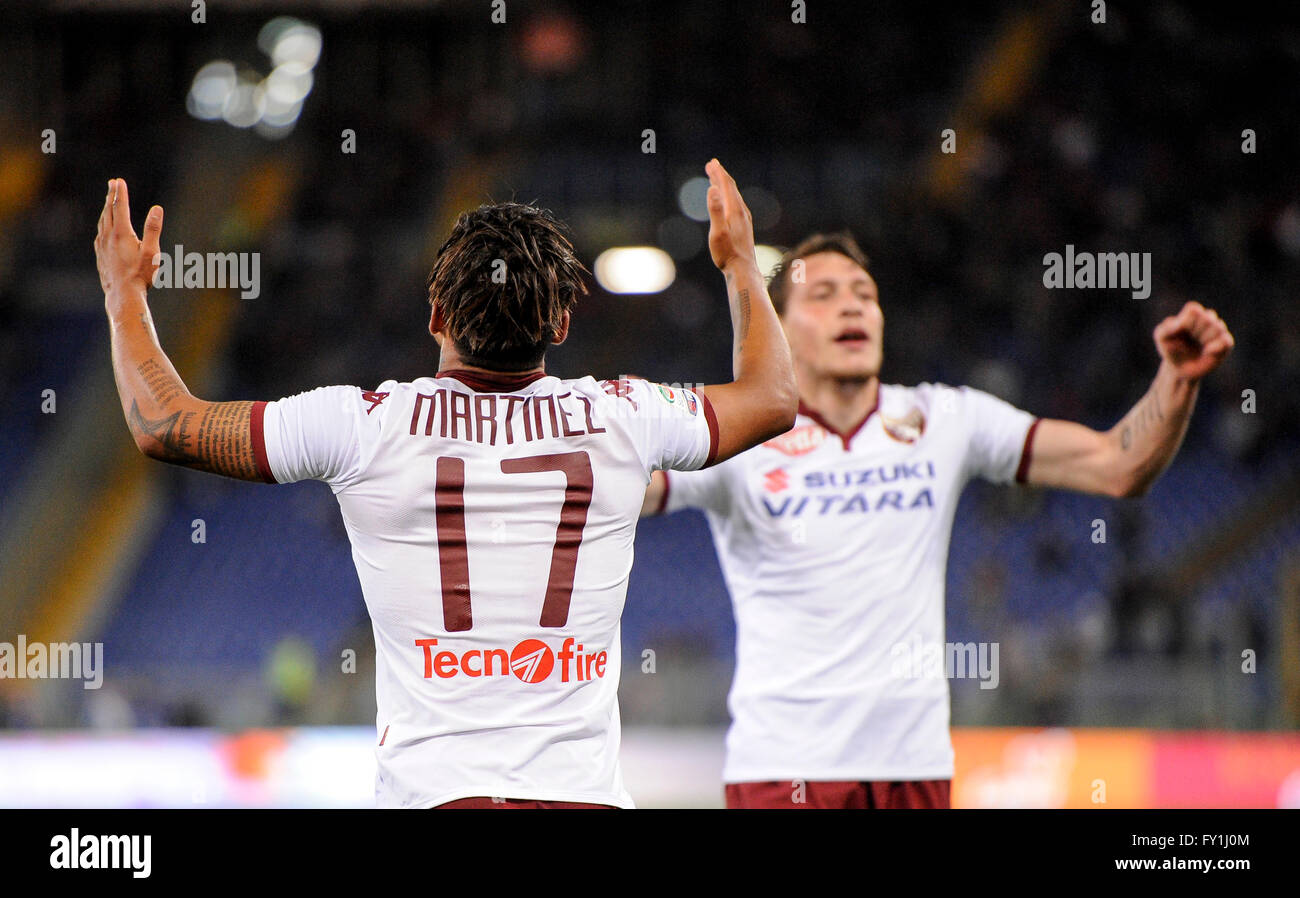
x=1123 y=136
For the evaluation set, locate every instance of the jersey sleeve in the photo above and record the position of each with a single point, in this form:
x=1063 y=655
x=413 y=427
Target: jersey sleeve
x=671 y=427
x=313 y=436
x=1000 y=437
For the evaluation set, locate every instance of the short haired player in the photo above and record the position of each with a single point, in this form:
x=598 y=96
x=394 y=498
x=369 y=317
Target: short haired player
x=833 y=538
x=491 y=507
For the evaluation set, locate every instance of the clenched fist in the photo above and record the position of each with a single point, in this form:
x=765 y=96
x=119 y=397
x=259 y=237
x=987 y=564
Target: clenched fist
x=1194 y=342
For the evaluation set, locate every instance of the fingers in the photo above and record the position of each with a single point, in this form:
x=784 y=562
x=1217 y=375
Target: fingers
x=1207 y=326
x=715 y=186
x=1184 y=320
x=122 y=209
x=734 y=207
x=1177 y=323
x=719 y=175
x=1215 y=335
x=1218 y=347
x=725 y=180
x=718 y=178
x=717 y=218
x=105 y=214
x=731 y=226
x=152 y=232
x=1200 y=326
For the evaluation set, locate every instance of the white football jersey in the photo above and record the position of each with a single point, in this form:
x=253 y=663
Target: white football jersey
x=835 y=549
x=492 y=522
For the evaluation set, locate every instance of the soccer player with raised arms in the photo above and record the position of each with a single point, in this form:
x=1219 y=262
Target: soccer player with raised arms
x=833 y=537
x=491 y=508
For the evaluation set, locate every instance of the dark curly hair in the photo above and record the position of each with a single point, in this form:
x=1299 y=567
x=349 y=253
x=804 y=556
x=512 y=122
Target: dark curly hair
x=503 y=281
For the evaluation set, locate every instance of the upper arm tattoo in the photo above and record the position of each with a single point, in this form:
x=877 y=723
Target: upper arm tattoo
x=219 y=441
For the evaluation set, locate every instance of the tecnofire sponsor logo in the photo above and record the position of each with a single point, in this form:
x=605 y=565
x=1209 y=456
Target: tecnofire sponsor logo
x=531 y=661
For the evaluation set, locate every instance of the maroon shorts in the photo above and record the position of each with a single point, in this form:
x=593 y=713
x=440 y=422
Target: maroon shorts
x=510 y=804
x=824 y=795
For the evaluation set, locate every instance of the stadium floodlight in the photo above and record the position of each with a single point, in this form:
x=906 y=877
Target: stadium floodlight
x=286 y=39
x=212 y=87
x=246 y=103
x=634 y=269
x=300 y=43
x=243 y=98
x=289 y=83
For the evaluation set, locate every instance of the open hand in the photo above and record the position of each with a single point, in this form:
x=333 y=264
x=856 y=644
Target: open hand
x=731 y=228
x=126 y=264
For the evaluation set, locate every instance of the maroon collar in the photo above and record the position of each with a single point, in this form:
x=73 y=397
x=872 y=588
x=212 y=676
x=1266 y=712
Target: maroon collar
x=492 y=382
x=845 y=438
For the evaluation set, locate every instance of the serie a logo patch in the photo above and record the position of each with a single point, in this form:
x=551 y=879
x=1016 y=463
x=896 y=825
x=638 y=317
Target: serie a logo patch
x=678 y=396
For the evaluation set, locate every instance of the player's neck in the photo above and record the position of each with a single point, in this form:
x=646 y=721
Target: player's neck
x=450 y=360
x=842 y=404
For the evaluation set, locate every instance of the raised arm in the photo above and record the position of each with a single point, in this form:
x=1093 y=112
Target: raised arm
x=1128 y=458
x=762 y=400
x=167 y=422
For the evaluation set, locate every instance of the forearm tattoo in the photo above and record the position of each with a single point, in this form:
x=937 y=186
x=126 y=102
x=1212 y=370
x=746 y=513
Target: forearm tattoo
x=220 y=442
x=163 y=386
x=1144 y=416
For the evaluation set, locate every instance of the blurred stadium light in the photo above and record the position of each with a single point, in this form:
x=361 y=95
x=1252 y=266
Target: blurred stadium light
x=634 y=269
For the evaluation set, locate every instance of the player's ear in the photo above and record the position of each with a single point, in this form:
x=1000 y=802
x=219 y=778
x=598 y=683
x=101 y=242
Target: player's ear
x=562 y=332
x=436 y=324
